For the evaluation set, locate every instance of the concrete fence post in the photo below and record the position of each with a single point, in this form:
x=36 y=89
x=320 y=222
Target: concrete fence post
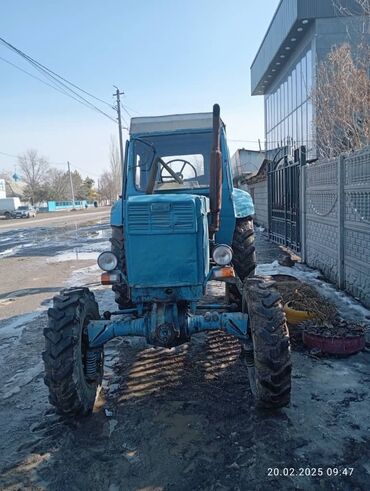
x=303 y=211
x=341 y=210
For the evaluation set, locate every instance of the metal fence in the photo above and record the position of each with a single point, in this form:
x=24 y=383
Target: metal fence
x=284 y=200
x=335 y=223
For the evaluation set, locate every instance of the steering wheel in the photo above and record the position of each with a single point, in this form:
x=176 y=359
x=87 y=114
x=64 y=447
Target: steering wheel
x=179 y=174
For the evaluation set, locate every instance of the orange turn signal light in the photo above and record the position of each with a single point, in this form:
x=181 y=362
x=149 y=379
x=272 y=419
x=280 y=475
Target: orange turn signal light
x=109 y=278
x=226 y=272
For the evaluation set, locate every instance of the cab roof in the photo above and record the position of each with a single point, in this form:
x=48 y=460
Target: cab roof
x=170 y=123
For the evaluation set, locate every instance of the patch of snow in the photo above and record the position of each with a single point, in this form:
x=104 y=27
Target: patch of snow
x=6 y=239
x=85 y=252
x=24 y=377
x=9 y=252
x=14 y=328
x=72 y=256
x=82 y=276
x=347 y=306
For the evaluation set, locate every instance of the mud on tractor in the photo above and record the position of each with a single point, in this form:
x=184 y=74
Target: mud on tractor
x=178 y=225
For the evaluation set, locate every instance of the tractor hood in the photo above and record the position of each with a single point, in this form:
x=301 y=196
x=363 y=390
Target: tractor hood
x=166 y=240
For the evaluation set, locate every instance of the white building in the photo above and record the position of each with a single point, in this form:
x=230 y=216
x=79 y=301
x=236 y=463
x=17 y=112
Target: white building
x=2 y=189
x=245 y=162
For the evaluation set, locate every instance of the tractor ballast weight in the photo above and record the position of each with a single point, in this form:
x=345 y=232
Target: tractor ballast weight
x=179 y=224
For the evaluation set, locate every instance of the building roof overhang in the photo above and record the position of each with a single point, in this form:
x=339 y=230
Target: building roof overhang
x=290 y=23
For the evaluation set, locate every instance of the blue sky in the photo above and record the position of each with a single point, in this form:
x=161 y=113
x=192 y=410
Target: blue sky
x=168 y=56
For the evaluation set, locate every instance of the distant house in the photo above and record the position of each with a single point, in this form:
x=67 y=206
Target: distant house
x=256 y=185
x=2 y=189
x=245 y=163
x=14 y=189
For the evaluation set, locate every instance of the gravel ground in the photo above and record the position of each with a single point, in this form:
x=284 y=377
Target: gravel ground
x=179 y=419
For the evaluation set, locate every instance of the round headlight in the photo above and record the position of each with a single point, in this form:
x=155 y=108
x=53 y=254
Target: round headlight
x=222 y=255
x=107 y=261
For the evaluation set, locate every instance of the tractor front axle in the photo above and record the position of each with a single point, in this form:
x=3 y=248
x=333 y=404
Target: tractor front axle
x=164 y=327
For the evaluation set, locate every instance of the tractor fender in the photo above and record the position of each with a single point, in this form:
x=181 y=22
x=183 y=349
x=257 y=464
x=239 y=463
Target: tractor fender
x=116 y=214
x=243 y=203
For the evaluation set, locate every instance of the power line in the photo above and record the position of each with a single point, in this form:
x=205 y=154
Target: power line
x=58 y=89
x=132 y=110
x=33 y=61
x=88 y=173
x=57 y=78
x=126 y=111
x=9 y=155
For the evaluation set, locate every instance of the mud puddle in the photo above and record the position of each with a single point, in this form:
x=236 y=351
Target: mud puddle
x=76 y=238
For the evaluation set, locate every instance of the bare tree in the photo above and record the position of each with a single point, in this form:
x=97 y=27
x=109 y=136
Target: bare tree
x=341 y=97
x=34 y=169
x=342 y=100
x=115 y=167
x=342 y=94
x=106 y=187
x=58 y=184
x=110 y=182
x=362 y=7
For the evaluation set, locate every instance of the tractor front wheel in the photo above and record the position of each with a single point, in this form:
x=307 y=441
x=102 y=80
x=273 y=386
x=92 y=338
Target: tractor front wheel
x=73 y=373
x=121 y=290
x=268 y=360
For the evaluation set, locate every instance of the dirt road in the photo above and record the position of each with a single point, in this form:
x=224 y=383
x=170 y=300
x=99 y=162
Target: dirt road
x=38 y=258
x=179 y=419
x=78 y=216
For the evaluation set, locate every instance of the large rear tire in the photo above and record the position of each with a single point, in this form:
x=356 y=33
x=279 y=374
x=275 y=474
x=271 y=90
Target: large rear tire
x=72 y=373
x=271 y=364
x=121 y=290
x=244 y=251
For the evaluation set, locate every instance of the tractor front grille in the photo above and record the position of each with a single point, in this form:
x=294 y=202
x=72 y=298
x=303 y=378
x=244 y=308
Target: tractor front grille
x=158 y=217
x=166 y=241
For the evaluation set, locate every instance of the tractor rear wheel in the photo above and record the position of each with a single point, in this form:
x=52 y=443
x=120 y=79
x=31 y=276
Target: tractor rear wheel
x=270 y=366
x=244 y=255
x=73 y=373
x=244 y=251
x=121 y=291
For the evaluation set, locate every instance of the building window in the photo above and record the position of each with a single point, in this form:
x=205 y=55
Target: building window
x=288 y=109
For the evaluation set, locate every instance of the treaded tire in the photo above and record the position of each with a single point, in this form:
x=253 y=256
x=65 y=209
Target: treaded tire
x=244 y=251
x=271 y=346
x=244 y=255
x=121 y=291
x=65 y=350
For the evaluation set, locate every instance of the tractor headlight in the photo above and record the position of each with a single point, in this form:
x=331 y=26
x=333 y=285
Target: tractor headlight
x=107 y=261
x=222 y=255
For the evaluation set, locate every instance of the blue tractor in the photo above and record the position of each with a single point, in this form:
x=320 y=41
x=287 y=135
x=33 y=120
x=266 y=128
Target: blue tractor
x=178 y=225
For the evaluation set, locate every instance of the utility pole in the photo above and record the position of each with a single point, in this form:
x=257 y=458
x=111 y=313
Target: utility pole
x=70 y=179
x=118 y=108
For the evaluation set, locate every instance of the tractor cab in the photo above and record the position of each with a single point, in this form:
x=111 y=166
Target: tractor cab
x=170 y=154
x=173 y=155
x=178 y=199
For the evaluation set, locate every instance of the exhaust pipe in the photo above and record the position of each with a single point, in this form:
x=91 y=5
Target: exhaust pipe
x=215 y=174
